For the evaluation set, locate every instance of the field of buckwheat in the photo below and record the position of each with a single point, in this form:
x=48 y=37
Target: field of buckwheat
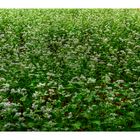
x=69 y=70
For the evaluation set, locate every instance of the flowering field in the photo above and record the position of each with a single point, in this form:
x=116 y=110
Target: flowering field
x=69 y=70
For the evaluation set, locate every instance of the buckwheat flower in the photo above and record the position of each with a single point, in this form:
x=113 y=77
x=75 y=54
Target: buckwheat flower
x=49 y=116
x=24 y=114
x=51 y=91
x=48 y=110
x=107 y=78
x=50 y=74
x=2 y=79
x=14 y=110
x=111 y=98
x=90 y=108
x=138 y=61
x=60 y=87
x=109 y=88
x=4 y=90
x=101 y=62
x=23 y=90
x=105 y=40
x=2 y=69
x=35 y=94
x=127 y=70
x=131 y=89
x=112 y=118
x=21 y=119
x=6 y=85
x=97 y=87
x=18 y=90
x=18 y=114
x=13 y=90
x=91 y=80
x=120 y=81
x=113 y=114
x=41 y=85
x=43 y=108
x=69 y=115
x=34 y=106
x=123 y=52
x=7 y=104
x=7 y=125
x=137 y=47
x=95 y=59
x=114 y=58
x=129 y=51
x=2 y=35
x=109 y=65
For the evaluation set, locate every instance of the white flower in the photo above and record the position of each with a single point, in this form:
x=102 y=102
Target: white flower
x=95 y=59
x=6 y=85
x=70 y=115
x=41 y=85
x=48 y=110
x=137 y=47
x=7 y=125
x=2 y=79
x=18 y=114
x=21 y=119
x=138 y=61
x=13 y=90
x=131 y=89
x=97 y=87
x=50 y=74
x=113 y=114
x=49 y=116
x=51 y=91
x=43 y=108
x=120 y=81
x=4 y=90
x=107 y=78
x=109 y=65
x=123 y=52
x=14 y=110
x=35 y=94
x=91 y=80
x=105 y=40
x=101 y=62
x=110 y=88
x=111 y=98
x=34 y=106
x=7 y=104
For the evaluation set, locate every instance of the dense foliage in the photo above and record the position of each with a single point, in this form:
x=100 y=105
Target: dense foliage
x=69 y=69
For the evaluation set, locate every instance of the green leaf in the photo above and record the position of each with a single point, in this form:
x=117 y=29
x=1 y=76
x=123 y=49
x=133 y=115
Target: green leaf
x=77 y=125
x=136 y=126
x=97 y=122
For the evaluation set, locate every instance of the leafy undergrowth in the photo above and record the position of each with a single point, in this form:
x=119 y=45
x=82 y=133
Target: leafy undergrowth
x=69 y=70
